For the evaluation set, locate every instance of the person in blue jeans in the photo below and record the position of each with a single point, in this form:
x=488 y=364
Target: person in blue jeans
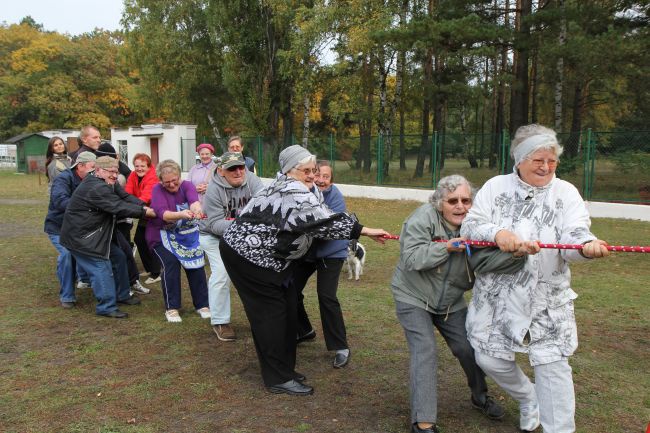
x=88 y=231
x=62 y=188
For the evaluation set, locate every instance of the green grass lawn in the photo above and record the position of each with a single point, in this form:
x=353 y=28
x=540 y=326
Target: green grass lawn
x=71 y=371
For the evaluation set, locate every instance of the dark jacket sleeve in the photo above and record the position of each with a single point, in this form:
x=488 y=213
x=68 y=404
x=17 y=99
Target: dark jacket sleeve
x=62 y=190
x=107 y=199
x=485 y=260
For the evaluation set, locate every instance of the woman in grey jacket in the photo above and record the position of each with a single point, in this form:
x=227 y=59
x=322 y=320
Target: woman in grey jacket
x=428 y=287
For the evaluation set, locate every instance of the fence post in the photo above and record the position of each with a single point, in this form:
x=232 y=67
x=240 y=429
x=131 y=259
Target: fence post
x=260 y=156
x=504 y=152
x=434 y=159
x=589 y=165
x=379 y=159
x=182 y=154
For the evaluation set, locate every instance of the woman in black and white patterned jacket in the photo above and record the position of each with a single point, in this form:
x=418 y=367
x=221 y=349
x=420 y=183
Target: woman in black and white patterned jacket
x=259 y=249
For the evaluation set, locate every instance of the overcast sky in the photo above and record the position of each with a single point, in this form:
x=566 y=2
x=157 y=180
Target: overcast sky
x=65 y=16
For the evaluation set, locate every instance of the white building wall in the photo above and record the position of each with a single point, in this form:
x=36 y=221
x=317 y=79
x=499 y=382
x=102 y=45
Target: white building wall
x=138 y=139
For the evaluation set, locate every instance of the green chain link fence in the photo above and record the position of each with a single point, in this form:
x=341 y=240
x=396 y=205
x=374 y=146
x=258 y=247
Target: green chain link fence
x=604 y=166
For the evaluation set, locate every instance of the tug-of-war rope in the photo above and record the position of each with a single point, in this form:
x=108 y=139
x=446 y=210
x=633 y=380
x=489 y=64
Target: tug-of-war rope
x=619 y=248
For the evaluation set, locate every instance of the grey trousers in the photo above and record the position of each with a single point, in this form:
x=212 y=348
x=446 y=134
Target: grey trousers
x=418 y=327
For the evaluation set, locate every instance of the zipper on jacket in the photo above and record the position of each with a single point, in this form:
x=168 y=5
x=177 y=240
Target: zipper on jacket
x=110 y=238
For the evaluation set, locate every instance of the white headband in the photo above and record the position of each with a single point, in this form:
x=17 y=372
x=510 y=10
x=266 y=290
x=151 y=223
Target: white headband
x=530 y=145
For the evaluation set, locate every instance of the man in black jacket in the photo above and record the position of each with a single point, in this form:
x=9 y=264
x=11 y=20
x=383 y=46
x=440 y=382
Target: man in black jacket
x=88 y=232
x=90 y=139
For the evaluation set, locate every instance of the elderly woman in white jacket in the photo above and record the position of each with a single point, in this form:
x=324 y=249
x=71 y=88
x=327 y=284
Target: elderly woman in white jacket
x=530 y=311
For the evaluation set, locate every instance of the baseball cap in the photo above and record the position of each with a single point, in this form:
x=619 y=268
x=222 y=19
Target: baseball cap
x=232 y=159
x=84 y=157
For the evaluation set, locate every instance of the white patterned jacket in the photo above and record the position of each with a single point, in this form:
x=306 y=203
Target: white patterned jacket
x=529 y=311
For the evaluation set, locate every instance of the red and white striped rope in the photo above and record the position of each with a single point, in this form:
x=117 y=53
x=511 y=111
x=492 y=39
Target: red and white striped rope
x=619 y=248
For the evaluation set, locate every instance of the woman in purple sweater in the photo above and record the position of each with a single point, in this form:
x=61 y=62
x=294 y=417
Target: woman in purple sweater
x=173 y=236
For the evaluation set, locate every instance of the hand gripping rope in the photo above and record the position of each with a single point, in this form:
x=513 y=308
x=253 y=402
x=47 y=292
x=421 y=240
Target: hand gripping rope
x=619 y=248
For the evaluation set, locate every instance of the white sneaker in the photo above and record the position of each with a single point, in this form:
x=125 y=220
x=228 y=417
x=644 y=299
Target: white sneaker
x=528 y=417
x=82 y=285
x=139 y=288
x=144 y=274
x=204 y=312
x=152 y=280
x=135 y=250
x=173 y=316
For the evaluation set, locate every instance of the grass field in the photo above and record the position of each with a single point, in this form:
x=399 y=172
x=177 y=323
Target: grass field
x=72 y=371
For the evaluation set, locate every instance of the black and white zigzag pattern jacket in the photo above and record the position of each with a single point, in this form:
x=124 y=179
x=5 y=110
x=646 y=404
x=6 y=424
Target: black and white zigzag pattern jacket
x=280 y=222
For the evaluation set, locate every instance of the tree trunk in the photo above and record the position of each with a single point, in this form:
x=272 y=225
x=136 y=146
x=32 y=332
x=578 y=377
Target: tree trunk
x=401 y=72
x=500 y=99
x=533 y=88
x=559 y=69
x=215 y=130
x=306 y=104
x=572 y=145
x=519 y=94
x=425 y=146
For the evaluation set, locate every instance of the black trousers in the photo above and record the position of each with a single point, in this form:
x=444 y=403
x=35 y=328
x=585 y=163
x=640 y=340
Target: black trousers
x=131 y=266
x=327 y=283
x=269 y=300
x=149 y=262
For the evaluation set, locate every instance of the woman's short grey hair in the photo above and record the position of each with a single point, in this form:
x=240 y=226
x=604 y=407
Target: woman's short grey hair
x=446 y=186
x=306 y=160
x=168 y=166
x=527 y=131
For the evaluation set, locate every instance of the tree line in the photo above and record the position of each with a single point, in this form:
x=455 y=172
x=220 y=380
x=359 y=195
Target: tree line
x=294 y=69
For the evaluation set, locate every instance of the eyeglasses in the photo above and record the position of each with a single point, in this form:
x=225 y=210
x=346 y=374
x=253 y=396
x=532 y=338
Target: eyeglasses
x=454 y=201
x=540 y=162
x=308 y=171
x=170 y=182
x=236 y=167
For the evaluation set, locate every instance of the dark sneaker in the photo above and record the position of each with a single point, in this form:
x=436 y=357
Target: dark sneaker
x=490 y=408
x=67 y=305
x=116 y=314
x=432 y=429
x=308 y=336
x=131 y=300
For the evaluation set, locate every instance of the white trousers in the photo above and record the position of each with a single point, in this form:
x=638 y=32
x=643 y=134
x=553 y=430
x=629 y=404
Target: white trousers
x=219 y=282
x=552 y=392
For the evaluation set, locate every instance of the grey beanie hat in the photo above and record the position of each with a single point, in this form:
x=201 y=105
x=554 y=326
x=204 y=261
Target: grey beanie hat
x=291 y=156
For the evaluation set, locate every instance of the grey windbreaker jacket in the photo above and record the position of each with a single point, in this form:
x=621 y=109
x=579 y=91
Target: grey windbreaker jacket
x=429 y=277
x=223 y=201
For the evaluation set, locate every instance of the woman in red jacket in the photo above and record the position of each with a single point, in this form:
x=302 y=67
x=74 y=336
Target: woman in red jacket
x=140 y=183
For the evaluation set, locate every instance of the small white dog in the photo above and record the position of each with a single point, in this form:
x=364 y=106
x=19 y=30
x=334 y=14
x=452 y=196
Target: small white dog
x=356 y=259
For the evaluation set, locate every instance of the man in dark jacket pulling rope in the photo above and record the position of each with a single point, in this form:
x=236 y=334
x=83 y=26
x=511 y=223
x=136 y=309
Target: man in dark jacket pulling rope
x=88 y=231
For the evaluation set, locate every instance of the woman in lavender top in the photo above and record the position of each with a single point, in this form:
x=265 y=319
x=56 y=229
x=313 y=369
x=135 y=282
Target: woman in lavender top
x=201 y=173
x=173 y=236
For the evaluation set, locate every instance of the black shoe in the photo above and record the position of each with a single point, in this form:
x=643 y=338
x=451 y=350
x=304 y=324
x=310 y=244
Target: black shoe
x=432 y=429
x=67 y=305
x=341 y=359
x=490 y=408
x=131 y=300
x=291 y=387
x=300 y=377
x=308 y=336
x=116 y=314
